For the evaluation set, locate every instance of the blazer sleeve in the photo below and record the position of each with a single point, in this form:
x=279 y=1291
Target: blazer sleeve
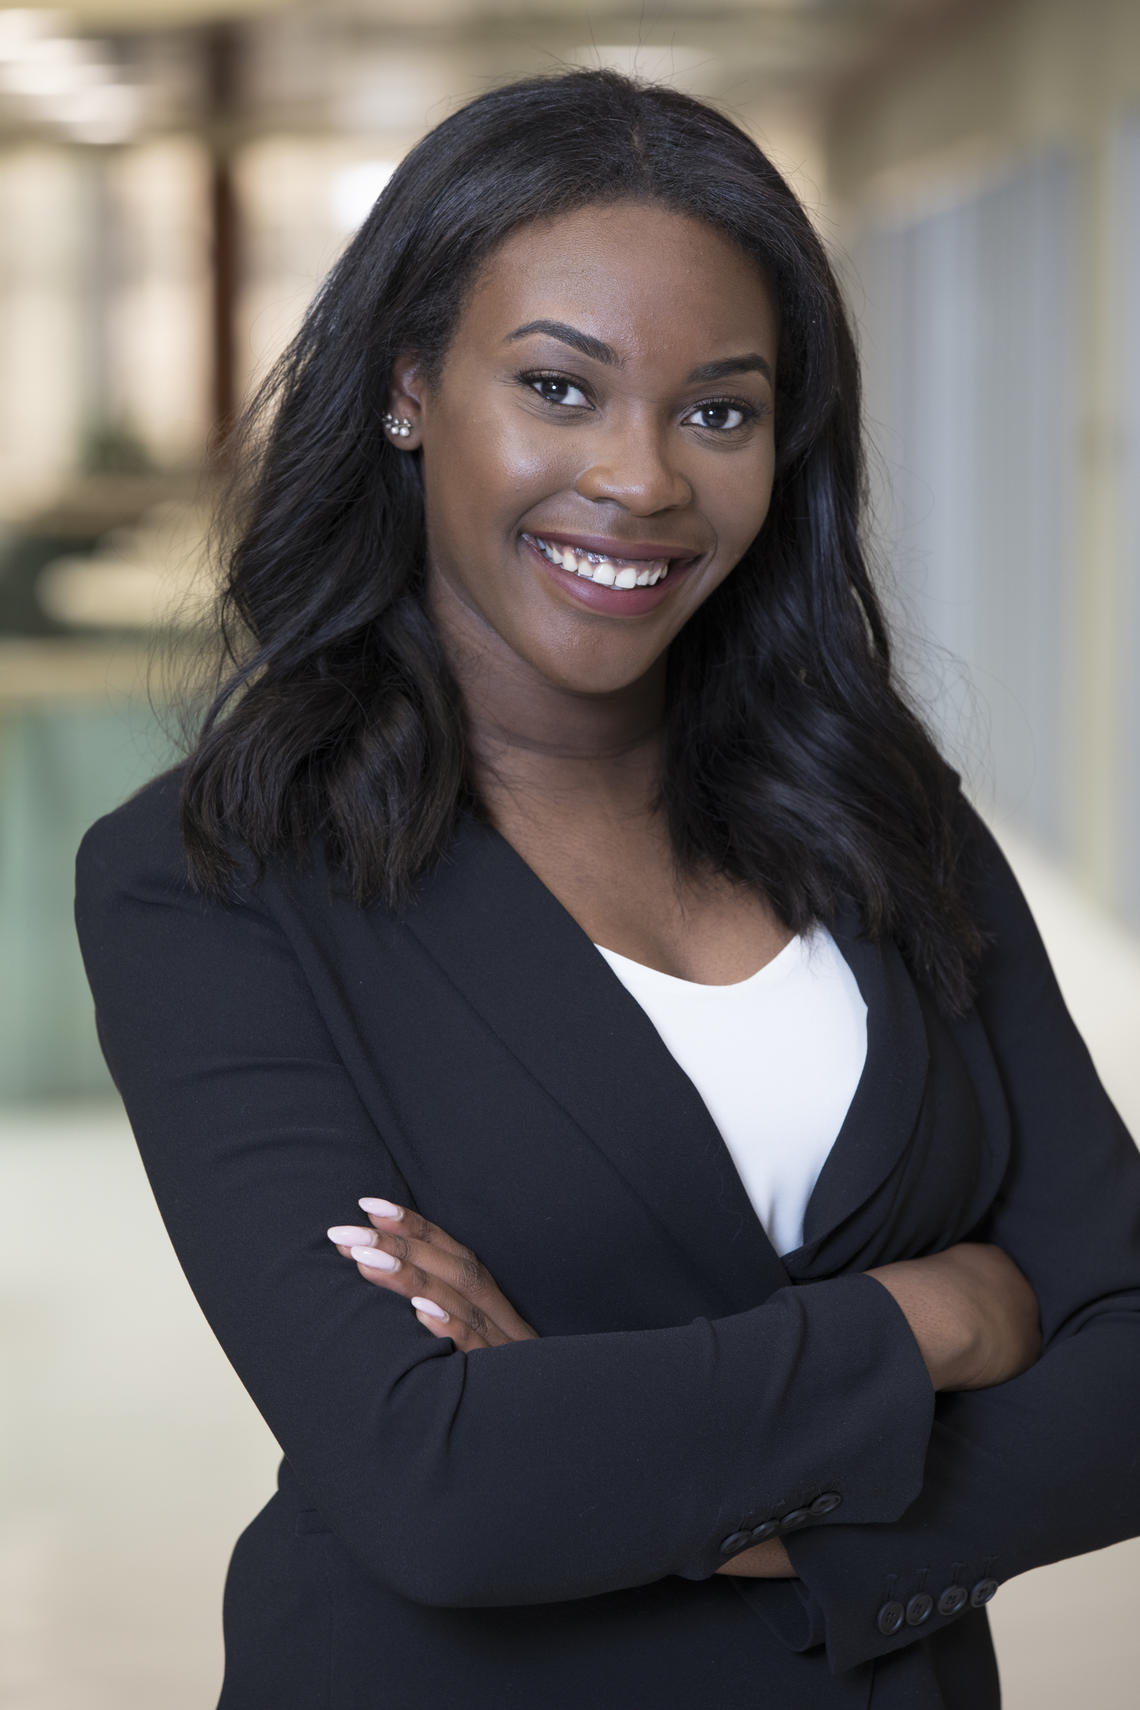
x=543 y=1470
x=1045 y=1466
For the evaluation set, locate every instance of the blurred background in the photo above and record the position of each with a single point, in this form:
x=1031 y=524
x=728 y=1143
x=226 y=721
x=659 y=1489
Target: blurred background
x=176 y=176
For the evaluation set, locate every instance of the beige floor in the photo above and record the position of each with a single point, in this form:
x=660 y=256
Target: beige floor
x=131 y=1458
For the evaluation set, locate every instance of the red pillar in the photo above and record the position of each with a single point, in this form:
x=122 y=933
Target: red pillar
x=221 y=52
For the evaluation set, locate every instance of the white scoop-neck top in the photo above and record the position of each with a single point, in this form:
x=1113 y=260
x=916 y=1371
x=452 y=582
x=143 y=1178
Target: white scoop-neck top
x=776 y=1059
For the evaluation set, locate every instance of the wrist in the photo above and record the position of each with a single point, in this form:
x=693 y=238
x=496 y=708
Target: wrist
x=945 y=1338
x=768 y=1560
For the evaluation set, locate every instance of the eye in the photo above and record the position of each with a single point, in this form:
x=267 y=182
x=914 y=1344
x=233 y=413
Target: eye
x=724 y=415
x=556 y=389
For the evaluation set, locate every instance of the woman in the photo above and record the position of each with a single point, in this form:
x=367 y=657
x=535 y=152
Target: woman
x=560 y=877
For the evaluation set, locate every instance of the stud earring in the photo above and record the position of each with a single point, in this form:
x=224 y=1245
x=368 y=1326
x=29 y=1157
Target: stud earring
x=399 y=425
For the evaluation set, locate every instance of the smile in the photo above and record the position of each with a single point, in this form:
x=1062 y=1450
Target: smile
x=596 y=567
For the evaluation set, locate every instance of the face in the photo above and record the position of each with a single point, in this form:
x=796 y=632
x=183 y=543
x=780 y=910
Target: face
x=598 y=448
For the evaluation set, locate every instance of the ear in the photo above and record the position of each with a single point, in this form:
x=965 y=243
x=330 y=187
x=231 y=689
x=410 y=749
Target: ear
x=406 y=391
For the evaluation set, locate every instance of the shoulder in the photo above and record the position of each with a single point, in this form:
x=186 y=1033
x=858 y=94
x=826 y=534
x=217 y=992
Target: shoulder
x=141 y=835
x=136 y=854
x=132 y=866
x=134 y=850
x=148 y=934
x=988 y=882
x=1014 y=965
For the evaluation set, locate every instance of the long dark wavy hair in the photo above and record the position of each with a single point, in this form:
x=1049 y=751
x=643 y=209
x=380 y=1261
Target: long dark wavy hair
x=792 y=760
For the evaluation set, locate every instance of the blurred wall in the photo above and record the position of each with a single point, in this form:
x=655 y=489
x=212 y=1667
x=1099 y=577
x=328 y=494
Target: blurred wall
x=986 y=187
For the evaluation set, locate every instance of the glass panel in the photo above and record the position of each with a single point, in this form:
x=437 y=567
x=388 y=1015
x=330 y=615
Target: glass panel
x=61 y=766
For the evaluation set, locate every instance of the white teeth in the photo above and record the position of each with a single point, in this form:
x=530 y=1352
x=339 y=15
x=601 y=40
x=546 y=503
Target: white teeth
x=595 y=568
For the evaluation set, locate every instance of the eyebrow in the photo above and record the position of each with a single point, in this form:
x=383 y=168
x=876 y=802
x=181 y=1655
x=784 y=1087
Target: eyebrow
x=589 y=346
x=752 y=362
x=598 y=351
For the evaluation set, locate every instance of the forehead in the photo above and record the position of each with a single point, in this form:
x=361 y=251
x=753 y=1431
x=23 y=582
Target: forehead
x=643 y=278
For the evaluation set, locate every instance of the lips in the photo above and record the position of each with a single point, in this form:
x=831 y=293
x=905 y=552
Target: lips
x=610 y=564
x=627 y=586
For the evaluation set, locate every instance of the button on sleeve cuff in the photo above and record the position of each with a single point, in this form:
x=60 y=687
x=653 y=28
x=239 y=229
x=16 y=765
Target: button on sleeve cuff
x=873 y=1600
x=853 y=1358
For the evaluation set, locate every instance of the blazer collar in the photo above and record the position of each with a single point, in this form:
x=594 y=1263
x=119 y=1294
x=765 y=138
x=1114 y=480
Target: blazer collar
x=523 y=962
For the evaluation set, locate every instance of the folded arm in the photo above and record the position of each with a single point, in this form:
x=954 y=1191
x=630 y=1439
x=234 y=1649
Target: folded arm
x=1043 y=1466
x=541 y=1470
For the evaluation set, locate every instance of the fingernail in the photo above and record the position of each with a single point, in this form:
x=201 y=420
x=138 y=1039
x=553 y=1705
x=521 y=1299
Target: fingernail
x=429 y=1306
x=376 y=1258
x=347 y=1235
x=381 y=1207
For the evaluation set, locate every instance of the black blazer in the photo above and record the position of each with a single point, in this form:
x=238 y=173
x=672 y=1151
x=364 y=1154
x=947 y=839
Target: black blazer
x=538 y=1526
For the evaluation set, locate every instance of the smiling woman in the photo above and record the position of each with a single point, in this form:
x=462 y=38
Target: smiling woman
x=558 y=856
x=617 y=432
x=550 y=493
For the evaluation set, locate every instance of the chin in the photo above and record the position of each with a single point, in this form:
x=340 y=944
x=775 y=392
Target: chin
x=600 y=681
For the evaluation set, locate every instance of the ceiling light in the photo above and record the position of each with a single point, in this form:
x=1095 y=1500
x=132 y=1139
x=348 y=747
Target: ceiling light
x=54 y=66
x=20 y=26
x=106 y=113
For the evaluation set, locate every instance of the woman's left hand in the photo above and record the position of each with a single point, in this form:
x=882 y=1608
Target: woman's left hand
x=451 y=1292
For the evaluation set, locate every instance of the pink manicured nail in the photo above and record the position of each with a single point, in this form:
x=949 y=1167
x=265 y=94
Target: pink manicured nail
x=376 y=1258
x=381 y=1207
x=429 y=1306
x=347 y=1235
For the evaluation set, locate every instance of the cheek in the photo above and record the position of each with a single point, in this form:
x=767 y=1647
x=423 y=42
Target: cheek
x=498 y=463
x=528 y=464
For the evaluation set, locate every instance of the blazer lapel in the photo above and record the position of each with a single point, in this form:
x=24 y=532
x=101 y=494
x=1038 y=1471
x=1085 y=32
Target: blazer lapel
x=523 y=962
x=881 y=1117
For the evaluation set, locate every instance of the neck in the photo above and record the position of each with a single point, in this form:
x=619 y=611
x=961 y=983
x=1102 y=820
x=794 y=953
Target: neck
x=544 y=745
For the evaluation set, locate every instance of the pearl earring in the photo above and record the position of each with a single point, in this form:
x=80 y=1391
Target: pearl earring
x=399 y=425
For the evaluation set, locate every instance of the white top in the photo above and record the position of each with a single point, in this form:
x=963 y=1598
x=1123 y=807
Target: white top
x=776 y=1059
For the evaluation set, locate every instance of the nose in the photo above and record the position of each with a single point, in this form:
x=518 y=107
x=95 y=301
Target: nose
x=636 y=467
